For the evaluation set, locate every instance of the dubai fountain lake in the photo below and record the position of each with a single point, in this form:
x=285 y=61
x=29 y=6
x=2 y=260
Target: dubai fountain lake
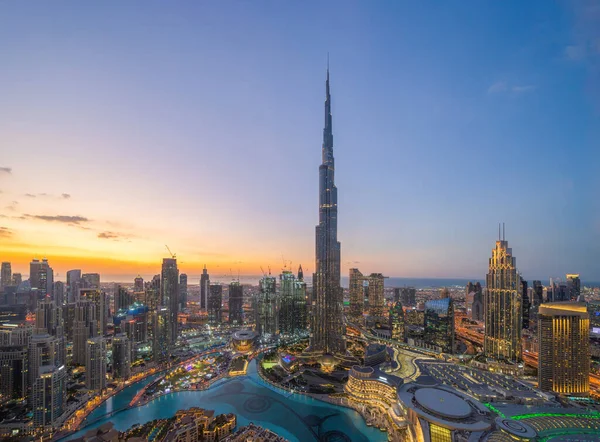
x=293 y=416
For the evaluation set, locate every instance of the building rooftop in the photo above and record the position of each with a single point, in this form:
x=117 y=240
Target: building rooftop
x=443 y=403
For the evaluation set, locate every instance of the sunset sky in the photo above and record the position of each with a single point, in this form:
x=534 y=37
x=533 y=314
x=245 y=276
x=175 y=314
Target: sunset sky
x=125 y=126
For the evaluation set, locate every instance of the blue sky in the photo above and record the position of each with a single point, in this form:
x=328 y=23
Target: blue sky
x=199 y=125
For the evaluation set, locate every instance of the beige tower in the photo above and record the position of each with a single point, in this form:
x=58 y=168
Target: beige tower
x=564 y=356
x=502 y=306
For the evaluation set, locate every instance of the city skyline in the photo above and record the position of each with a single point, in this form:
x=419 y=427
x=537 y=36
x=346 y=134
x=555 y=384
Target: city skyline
x=95 y=119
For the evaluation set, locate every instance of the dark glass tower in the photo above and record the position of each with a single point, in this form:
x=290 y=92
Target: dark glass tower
x=327 y=328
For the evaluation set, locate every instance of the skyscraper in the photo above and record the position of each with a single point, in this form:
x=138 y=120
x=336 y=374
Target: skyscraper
x=376 y=297
x=95 y=364
x=85 y=326
x=122 y=298
x=408 y=296
x=327 y=327
x=98 y=297
x=503 y=305
x=266 y=307
x=573 y=286
x=91 y=280
x=59 y=293
x=525 y=303
x=236 y=303
x=214 y=304
x=564 y=355
x=169 y=294
x=138 y=284
x=5 y=275
x=41 y=276
x=475 y=294
x=73 y=285
x=397 y=324
x=183 y=291
x=439 y=324
x=292 y=305
x=357 y=296
x=121 y=356
x=14 y=364
x=204 y=283
x=538 y=293
x=48 y=395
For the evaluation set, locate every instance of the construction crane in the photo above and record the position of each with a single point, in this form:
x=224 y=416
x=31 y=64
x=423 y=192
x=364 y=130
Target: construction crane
x=171 y=253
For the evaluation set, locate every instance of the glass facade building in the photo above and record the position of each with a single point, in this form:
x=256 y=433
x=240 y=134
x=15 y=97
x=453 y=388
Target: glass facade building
x=439 y=324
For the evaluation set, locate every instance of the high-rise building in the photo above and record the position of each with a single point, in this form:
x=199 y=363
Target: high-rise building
x=85 y=326
x=5 y=275
x=98 y=297
x=215 y=304
x=161 y=349
x=41 y=276
x=48 y=395
x=557 y=291
x=439 y=324
x=17 y=279
x=122 y=298
x=183 y=291
x=95 y=364
x=397 y=324
x=169 y=293
x=475 y=295
x=327 y=327
x=357 y=295
x=73 y=285
x=503 y=305
x=121 y=356
x=408 y=296
x=59 y=293
x=14 y=366
x=538 y=293
x=525 y=303
x=91 y=280
x=573 y=286
x=376 y=296
x=266 y=307
x=564 y=355
x=204 y=284
x=292 y=305
x=43 y=350
x=236 y=303
x=138 y=284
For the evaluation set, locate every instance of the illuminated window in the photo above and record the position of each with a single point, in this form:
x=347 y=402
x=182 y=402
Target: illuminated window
x=439 y=434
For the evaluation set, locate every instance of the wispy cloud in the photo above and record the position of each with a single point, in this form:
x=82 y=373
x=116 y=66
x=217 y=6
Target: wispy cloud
x=575 y=52
x=108 y=235
x=65 y=196
x=12 y=206
x=5 y=170
x=60 y=218
x=504 y=87
x=5 y=232
x=48 y=195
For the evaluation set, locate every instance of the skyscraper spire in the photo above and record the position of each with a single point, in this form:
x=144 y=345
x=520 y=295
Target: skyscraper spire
x=327 y=327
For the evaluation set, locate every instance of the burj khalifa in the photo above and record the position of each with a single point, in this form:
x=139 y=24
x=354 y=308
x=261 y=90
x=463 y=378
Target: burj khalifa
x=327 y=334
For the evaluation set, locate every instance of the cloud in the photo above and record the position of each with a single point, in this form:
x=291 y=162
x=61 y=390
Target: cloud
x=499 y=86
x=48 y=195
x=5 y=170
x=30 y=195
x=60 y=218
x=12 y=205
x=108 y=235
x=65 y=196
x=504 y=87
x=5 y=232
x=575 y=52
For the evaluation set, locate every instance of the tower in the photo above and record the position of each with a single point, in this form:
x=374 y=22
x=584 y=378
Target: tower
x=214 y=304
x=327 y=327
x=564 y=356
x=183 y=291
x=204 y=283
x=5 y=275
x=169 y=294
x=236 y=303
x=503 y=305
x=357 y=296
x=95 y=364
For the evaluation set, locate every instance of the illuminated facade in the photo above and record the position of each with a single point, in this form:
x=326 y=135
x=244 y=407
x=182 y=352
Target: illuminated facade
x=95 y=364
x=121 y=356
x=327 y=334
x=49 y=395
x=397 y=324
x=376 y=298
x=292 y=304
x=439 y=324
x=204 y=284
x=503 y=306
x=266 y=307
x=357 y=296
x=367 y=384
x=564 y=356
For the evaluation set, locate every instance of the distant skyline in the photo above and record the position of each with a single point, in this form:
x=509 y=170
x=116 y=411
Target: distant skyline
x=125 y=128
